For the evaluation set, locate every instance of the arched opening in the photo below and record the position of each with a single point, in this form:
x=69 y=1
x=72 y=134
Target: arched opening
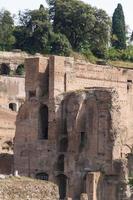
x=6 y=159
x=62 y=183
x=63 y=118
x=32 y=94
x=4 y=69
x=63 y=145
x=83 y=139
x=42 y=176
x=43 y=122
x=60 y=163
x=20 y=70
x=13 y=106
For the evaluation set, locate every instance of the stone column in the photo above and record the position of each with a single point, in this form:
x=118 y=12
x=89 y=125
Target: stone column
x=92 y=180
x=84 y=196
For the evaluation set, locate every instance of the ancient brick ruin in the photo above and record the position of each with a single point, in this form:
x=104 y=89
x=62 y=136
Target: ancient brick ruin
x=11 y=60
x=75 y=127
x=12 y=96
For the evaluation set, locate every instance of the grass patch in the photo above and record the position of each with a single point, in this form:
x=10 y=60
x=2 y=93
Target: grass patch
x=88 y=57
x=119 y=63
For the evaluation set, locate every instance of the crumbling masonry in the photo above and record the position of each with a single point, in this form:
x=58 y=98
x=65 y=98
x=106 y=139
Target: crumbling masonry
x=12 y=95
x=75 y=127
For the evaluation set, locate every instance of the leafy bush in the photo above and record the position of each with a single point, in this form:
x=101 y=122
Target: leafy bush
x=127 y=54
x=20 y=70
x=84 y=49
x=113 y=54
x=60 y=45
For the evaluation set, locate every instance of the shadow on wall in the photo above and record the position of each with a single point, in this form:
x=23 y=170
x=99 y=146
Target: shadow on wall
x=85 y=121
x=6 y=163
x=4 y=69
x=13 y=106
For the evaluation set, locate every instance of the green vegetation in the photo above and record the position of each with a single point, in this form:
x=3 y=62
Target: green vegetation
x=118 y=28
x=60 y=45
x=84 y=26
x=7 y=38
x=33 y=33
x=125 y=55
x=119 y=63
x=20 y=70
x=68 y=28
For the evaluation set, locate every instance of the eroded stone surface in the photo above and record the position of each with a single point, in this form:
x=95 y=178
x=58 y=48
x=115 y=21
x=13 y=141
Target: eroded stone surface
x=12 y=96
x=75 y=127
x=13 y=59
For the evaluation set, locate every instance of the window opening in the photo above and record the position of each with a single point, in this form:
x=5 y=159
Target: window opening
x=13 y=106
x=42 y=176
x=43 y=122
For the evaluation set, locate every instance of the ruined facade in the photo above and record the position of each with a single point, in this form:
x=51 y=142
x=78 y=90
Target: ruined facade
x=12 y=59
x=12 y=96
x=12 y=92
x=12 y=85
x=75 y=127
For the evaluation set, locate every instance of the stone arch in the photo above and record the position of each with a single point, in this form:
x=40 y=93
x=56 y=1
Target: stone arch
x=42 y=176
x=62 y=184
x=20 y=70
x=4 y=69
x=13 y=106
x=63 y=145
x=60 y=163
x=43 y=122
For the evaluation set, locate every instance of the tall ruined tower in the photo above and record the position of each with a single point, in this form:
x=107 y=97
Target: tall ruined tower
x=72 y=128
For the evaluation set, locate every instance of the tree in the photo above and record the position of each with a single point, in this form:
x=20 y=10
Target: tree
x=74 y=19
x=33 y=33
x=131 y=37
x=82 y=24
x=60 y=45
x=100 y=35
x=118 y=28
x=52 y=5
x=6 y=30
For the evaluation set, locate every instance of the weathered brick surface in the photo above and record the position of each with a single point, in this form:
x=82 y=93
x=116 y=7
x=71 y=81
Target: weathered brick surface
x=90 y=113
x=13 y=59
x=12 y=93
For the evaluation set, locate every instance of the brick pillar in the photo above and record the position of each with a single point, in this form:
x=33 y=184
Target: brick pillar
x=92 y=180
x=56 y=75
x=84 y=196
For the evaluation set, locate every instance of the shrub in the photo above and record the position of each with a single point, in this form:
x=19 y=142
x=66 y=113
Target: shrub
x=113 y=54
x=20 y=70
x=60 y=45
x=127 y=54
x=84 y=49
